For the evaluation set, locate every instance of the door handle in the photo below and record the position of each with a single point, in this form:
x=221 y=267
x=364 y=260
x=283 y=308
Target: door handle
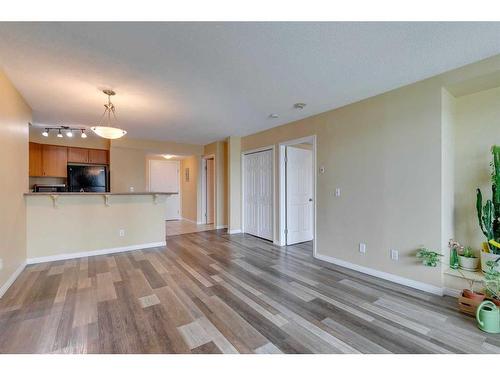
x=310 y=199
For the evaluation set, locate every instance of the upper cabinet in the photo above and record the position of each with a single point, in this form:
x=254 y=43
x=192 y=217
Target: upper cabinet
x=98 y=156
x=35 y=157
x=52 y=161
x=78 y=155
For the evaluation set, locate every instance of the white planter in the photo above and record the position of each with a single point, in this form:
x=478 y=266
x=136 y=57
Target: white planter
x=469 y=264
x=485 y=257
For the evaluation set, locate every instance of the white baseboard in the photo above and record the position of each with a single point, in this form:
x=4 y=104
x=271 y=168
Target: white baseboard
x=384 y=275
x=64 y=256
x=220 y=226
x=233 y=231
x=11 y=279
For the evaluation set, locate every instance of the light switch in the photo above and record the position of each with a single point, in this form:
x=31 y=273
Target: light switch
x=337 y=192
x=394 y=254
x=362 y=248
x=131 y=189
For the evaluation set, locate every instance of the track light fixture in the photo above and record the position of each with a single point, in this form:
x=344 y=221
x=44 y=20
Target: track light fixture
x=66 y=129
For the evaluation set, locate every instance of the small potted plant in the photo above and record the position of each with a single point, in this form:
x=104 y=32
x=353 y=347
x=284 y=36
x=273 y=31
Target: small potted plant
x=468 y=260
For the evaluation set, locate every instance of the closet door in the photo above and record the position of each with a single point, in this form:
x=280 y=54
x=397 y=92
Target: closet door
x=258 y=194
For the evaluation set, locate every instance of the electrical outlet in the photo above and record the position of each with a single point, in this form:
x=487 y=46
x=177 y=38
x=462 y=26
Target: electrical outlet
x=122 y=232
x=394 y=254
x=131 y=189
x=362 y=248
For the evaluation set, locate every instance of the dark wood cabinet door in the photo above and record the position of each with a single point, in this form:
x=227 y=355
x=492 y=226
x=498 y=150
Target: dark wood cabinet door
x=98 y=156
x=54 y=160
x=78 y=155
x=35 y=158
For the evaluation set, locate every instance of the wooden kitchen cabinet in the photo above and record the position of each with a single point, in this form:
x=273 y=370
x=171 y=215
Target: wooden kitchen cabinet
x=35 y=159
x=98 y=156
x=54 y=160
x=78 y=155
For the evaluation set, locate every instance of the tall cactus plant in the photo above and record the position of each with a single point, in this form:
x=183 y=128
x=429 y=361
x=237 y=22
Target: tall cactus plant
x=489 y=214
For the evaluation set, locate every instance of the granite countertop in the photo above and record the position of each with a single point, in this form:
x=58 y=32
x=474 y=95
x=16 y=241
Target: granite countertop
x=102 y=193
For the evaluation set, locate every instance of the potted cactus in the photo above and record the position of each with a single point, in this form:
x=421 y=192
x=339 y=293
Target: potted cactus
x=489 y=214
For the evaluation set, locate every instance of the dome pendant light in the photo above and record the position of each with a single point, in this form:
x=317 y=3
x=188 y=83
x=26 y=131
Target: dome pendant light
x=104 y=129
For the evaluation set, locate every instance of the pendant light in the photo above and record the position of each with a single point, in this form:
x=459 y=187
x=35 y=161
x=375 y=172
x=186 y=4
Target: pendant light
x=105 y=128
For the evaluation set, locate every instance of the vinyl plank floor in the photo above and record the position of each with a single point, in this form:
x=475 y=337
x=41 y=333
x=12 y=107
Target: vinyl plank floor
x=209 y=292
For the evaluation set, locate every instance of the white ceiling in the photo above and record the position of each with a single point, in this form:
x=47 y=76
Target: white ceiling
x=200 y=82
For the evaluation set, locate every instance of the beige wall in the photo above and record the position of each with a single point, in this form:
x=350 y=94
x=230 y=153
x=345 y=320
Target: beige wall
x=128 y=160
x=234 y=184
x=84 y=223
x=190 y=189
x=92 y=141
x=14 y=117
x=448 y=124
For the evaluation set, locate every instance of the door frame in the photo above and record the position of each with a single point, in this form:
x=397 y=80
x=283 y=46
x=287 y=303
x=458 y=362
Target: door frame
x=271 y=148
x=204 y=215
x=282 y=187
x=179 y=193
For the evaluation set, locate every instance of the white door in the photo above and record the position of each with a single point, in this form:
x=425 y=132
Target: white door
x=164 y=176
x=258 y=194
x=299 y=195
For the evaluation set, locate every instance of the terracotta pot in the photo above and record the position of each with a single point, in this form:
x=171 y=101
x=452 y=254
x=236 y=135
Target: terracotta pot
x=496 y=301
x=476 y=296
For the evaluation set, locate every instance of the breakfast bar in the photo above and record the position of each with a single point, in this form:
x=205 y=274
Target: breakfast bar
x=66 y=225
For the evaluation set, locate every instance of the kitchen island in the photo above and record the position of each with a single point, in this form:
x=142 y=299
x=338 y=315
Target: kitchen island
x=72 y=225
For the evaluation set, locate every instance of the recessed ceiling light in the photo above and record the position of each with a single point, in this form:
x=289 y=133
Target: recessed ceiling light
x=299 y=105
x=273 y=115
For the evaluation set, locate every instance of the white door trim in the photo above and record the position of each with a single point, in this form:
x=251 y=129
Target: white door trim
x=282 y=197
x=204 y=188
x=273 y=210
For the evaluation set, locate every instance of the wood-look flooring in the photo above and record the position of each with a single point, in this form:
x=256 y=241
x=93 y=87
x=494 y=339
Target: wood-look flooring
x=209 y=292
x=176 y=227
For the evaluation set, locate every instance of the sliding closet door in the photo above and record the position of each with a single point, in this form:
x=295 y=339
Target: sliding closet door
x=258 y=194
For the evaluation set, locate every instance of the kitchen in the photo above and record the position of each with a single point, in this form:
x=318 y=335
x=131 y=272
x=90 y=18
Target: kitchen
x=72 y=210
